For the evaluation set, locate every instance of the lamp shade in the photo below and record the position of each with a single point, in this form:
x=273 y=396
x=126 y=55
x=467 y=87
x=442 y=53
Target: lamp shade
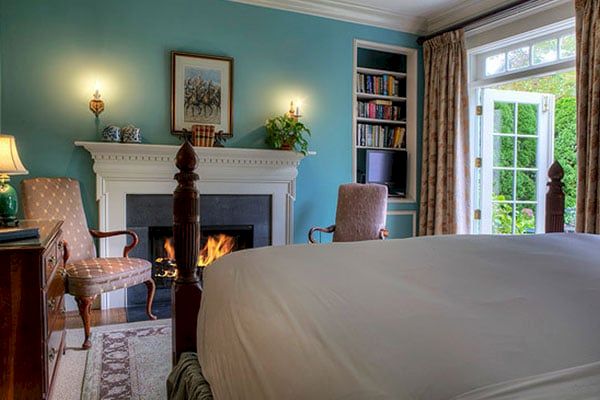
x=10 y=163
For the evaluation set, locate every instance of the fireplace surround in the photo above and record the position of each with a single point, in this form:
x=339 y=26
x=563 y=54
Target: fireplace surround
x=124 y=170
x=245 y=218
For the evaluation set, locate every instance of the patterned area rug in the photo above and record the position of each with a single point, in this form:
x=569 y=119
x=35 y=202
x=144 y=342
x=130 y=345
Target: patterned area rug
x=129 y=362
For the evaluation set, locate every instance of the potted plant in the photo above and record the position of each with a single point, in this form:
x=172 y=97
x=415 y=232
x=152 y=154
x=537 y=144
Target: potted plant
x=287 y=133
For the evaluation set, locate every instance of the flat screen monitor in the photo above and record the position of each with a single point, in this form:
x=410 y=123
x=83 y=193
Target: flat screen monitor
x=387 y=168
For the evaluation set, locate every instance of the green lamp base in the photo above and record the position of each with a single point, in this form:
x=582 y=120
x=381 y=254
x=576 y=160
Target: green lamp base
x=9 y=204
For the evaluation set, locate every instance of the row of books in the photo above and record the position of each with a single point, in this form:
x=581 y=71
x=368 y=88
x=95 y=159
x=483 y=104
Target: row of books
x=379 y=109
x=380 y=136
x=386 y=85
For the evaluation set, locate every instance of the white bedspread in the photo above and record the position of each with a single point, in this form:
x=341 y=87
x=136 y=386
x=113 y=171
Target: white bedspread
x=469 y=318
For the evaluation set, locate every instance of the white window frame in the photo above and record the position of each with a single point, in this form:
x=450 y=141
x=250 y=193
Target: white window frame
x=477 y=56
x=478 y=81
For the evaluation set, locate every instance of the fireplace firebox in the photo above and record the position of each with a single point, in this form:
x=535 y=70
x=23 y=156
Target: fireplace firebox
x=244 y=219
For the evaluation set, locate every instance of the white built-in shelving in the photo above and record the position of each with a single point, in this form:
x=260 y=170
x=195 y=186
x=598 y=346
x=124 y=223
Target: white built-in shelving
x=398 y=64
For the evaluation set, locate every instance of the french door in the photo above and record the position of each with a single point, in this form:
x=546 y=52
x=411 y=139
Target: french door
x=517 y=130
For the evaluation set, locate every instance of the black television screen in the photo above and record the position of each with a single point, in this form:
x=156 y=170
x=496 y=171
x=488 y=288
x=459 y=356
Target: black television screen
x=387 y=168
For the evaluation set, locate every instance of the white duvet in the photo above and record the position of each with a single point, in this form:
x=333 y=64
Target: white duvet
x=438 y=318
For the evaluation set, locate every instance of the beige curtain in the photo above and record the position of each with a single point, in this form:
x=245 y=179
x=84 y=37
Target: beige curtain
x=588 y=115
x=445 y=192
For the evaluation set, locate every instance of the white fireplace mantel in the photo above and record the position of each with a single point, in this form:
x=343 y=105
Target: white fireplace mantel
x=123 y=169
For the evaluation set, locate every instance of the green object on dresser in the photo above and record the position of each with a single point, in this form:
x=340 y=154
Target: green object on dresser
x=10 y=164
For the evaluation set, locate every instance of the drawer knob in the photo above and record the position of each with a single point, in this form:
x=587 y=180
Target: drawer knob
x=52 y=304
x=51 y=260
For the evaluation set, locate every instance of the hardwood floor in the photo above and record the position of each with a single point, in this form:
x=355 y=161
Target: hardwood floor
x=99 y=317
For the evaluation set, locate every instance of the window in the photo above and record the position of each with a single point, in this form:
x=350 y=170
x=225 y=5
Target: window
x=557 y=47
x=513 y=178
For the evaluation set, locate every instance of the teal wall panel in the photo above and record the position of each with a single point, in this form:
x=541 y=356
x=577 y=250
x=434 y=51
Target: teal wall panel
x=400 y=224
x=53 y=51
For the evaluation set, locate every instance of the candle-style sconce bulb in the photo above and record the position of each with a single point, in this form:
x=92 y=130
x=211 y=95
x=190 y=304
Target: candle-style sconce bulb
x=294 y=111
x=96 y=104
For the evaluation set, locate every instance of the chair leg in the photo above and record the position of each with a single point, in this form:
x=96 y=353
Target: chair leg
x=151 y=289
x=85 y=310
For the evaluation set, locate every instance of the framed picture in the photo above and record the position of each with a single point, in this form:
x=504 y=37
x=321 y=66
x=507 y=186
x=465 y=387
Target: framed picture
x=201 y=92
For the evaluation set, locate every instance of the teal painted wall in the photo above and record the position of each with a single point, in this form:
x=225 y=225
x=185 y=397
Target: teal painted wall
x=53 y=51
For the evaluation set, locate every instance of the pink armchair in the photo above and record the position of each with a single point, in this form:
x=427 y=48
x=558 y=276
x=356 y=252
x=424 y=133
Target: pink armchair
x=361 y=213
x=87 y=275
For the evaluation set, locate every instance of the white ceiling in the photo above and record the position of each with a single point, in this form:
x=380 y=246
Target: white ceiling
x=416 y=16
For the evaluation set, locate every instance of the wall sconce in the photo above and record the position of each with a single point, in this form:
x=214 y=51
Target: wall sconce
x=96 y=105
x=294 y=111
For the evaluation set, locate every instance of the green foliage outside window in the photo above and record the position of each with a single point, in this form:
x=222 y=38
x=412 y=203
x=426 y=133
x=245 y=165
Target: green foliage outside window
x=563 y=87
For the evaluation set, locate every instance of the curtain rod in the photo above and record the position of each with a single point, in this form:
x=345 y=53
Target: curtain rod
x=463 y=24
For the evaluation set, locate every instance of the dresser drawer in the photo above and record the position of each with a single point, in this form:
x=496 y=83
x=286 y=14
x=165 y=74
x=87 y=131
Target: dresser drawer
x=54 y=300
x=52 y=257
x=55 y=342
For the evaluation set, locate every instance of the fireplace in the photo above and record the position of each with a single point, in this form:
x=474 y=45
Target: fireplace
x=245 y=219
x=130 y=174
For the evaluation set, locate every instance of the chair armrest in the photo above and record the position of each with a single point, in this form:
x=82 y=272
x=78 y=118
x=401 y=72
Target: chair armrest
x=312 y=230
x=65 y=251
x=135 y=240
x=383 y=233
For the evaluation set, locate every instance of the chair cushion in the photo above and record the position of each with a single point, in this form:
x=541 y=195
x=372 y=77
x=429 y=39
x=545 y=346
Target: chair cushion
x=92 y=276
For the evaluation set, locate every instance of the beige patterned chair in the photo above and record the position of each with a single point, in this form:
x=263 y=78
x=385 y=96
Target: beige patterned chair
x=87 y=275
x=360 y=215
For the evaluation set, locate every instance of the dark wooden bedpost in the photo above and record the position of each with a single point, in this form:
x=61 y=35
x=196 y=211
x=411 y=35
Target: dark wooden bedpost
x=186 y=292
x=555 y=200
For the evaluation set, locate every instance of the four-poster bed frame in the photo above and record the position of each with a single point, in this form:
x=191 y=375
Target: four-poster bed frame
x=186 y=291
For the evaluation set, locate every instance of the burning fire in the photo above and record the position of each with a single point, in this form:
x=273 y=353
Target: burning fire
x=215 y=248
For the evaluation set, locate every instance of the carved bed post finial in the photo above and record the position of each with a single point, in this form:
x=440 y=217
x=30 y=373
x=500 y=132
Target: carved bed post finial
x=186 y=292
x=555 y=200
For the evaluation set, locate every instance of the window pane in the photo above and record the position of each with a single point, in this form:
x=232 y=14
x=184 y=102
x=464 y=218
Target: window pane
x=545 y=51
x=504 y=117
x=527 y=121
x=525 y=216
x=526 y=186
x=502 y=217
x=518 y=58
x=495 y=64
x=526 y=153
x=503 y=185
x=567 y=46
x=504 y=151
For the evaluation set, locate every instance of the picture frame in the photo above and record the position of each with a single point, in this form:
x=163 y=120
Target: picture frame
x=201 y=92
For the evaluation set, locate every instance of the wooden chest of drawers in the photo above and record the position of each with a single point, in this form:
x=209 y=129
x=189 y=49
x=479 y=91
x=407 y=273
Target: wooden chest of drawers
x=32 y=317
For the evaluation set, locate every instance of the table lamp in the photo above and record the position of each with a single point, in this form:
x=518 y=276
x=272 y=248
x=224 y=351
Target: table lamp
x=10 y=164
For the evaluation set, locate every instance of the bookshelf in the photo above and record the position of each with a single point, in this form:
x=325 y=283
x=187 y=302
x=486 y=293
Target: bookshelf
x=385 y=108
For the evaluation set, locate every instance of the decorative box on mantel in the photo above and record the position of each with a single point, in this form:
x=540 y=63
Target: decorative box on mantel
x=123 y=169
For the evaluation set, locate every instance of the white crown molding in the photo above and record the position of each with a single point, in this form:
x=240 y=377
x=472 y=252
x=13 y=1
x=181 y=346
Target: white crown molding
x=461 y=12
x=470 y=8
x=342 y=11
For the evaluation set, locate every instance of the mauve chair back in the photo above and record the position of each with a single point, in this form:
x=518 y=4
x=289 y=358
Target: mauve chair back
x=361 y=212
x=60 y=199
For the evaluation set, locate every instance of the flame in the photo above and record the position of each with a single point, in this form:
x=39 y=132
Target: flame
x=215 y=248
x=169 y=249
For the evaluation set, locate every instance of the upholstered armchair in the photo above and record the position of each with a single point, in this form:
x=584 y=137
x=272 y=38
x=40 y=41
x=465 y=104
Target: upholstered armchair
x=87 y=276
x=360 y=215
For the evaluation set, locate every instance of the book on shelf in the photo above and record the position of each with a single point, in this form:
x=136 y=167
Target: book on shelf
x=384 y=85
x=379 y=109
x=389 y=137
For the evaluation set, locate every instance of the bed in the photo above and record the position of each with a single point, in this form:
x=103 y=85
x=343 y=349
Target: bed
x=455 y=317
